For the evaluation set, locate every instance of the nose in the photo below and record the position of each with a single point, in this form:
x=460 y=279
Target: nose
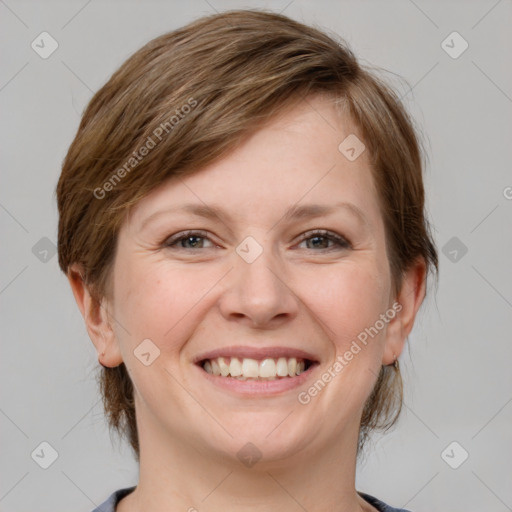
x=258 y=293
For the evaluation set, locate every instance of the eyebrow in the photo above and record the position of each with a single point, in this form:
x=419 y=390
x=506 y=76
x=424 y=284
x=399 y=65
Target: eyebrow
x=295 y=212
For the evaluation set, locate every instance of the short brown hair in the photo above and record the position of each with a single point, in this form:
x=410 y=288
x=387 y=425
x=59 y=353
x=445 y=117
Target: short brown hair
x=235 y=70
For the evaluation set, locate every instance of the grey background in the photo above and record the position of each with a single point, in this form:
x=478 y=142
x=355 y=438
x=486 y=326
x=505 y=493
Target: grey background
x=457 y=368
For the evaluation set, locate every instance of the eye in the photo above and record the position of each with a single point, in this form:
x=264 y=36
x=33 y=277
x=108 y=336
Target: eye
x=194 y=238
x=321 y=238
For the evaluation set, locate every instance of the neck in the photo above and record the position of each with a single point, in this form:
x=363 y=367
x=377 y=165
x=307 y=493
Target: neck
x=180 y=476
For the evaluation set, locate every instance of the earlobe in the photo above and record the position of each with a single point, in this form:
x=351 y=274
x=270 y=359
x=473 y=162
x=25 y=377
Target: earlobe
x=96 y=319
x=408 y=302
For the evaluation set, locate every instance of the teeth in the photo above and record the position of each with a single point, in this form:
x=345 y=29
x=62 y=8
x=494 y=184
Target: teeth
x=224 y=367
x=215 y=367
x=292 y=366
x=250 y=368
x=282 y=367
x=267 y=369
x=235 y=368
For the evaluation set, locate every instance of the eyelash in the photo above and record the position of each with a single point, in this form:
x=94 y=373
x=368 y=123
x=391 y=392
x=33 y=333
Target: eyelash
x=342 y=242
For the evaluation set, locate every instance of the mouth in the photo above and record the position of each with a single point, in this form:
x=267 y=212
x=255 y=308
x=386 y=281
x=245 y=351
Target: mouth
x=255 y=371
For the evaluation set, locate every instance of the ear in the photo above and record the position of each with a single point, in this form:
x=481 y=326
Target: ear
x=96 y=319
x=406 y=306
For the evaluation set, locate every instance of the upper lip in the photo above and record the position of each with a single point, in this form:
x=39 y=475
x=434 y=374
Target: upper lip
x=256 y=353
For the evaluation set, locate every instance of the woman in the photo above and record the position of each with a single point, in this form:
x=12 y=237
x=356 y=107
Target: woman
x=242 y=225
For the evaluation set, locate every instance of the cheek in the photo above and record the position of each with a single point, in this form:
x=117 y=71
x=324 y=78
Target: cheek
x=348 y=300
x=353 y=300
x=154 y=302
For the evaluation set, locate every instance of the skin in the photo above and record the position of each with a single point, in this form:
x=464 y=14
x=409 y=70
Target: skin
x=200 y=295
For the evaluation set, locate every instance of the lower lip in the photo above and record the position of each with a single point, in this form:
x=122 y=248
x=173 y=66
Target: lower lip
x=259 y=387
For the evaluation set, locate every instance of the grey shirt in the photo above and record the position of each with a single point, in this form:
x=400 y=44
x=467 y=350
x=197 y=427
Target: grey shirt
x=109 y=505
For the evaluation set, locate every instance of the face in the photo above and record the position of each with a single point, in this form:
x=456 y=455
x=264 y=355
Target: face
x=269 y=280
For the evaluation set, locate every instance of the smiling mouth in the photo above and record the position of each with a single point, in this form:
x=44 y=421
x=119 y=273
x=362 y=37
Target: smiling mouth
x=256 y=370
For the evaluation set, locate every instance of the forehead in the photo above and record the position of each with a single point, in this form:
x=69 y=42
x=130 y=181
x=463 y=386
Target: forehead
x=295 y=158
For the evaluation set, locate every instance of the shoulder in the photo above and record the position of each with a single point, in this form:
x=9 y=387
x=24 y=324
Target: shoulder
x=380 y=505
x=109 y=505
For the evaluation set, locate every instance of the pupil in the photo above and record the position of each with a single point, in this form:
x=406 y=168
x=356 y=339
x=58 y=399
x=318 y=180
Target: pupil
x=193 y=238
x=317 y=238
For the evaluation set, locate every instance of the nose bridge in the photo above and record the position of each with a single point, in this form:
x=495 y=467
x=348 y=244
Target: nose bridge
x=260 y=274
x=258 y=288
